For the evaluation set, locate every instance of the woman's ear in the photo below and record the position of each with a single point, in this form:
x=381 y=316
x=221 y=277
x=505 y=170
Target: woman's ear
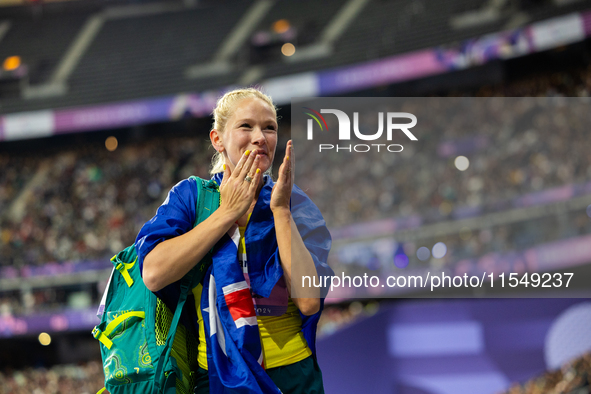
x=216 y=140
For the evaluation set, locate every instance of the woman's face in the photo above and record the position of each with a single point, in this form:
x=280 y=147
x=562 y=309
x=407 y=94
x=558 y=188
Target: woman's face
x=252 y=126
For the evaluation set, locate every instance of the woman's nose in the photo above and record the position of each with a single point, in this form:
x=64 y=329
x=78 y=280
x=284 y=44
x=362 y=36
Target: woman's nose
x=258 y=137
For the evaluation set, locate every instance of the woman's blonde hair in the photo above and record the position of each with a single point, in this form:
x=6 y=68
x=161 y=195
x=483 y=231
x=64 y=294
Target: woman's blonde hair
x=222 y=112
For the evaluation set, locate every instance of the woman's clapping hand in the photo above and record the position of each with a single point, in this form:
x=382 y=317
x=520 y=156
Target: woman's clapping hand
x=237 y=191
x=281 y=193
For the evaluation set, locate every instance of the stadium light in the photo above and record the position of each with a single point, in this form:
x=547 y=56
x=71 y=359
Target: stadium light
x=281 y=26
x=423 y=253
x=111 y=143
x=462 y=163
x=12 y=63
x=44 y=339
x=439 y=250
x=288 y=49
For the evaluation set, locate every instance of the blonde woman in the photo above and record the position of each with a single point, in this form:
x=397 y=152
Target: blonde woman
x=253 y=336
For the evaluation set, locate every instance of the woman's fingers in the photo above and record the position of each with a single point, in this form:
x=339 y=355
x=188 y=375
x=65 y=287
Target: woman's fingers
x=286 y=169
x=227 y=175
x=291 y=164
x=255 y=181
x=241 y=164
x=247 y=167
x=281 y=193
x=254 y=166
x=254 y=176
x=242 y=178
x=283 y=170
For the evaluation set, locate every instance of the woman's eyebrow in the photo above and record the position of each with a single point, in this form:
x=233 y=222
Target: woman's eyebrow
x=248 y=120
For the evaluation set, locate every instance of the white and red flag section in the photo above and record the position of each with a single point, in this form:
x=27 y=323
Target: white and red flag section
x=234 y=349
x=235 y=354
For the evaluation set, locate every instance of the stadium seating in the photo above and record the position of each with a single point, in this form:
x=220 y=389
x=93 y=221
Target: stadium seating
x=41 y=40
x=142 y=56
x=385 y=28
x=147 y=56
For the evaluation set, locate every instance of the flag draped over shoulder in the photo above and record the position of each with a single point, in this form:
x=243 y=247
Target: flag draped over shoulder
x=235 y=354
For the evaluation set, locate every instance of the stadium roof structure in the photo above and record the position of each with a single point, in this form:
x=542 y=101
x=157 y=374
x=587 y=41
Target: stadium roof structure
x=92 y=68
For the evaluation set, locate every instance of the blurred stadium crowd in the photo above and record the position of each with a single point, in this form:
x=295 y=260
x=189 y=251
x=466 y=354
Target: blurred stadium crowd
x=336 y=317
x=573 y=378
x=510 y=161
x=87 y=203
x=80 y=379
